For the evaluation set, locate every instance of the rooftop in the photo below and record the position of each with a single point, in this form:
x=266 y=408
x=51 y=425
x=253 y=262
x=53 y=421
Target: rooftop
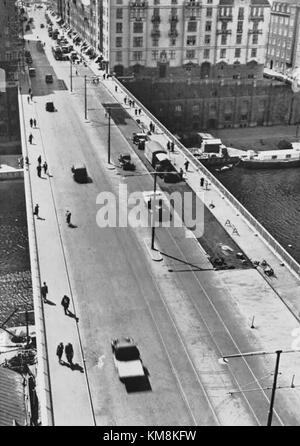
x=12 y=398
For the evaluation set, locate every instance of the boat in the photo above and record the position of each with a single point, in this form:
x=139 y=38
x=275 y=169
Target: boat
x=213 y=153
x=272 y=159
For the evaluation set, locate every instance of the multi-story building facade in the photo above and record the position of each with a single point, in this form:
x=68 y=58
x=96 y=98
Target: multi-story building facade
x=283 y=50
x=11 y=61
x=168 y=37
x=162 y=38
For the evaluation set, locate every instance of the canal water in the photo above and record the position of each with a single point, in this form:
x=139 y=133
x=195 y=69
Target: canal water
x=272 y=197
x=15 y=277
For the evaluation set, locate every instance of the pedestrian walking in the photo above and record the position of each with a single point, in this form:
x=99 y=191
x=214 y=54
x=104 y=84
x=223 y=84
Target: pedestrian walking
x=31 y=122
x=69 y=352
x=36 y=210
x=125 y=100
x=172 y=146
x=44 y=291
x=201 y=181
x=76 y=72
x=65 y=303
x=181 y=173
x=28 y=99
x=186 y=165
x=39 y=159
x=68 y=218
x=26 y=160
x=31 y=96
x=34 y=123
x=136 y=112
x=45 y=167
x=59 y=351
x=116 y=88
x=140 y=111
x=104 y=76
x=168 y=146
x=39 y=170
x=30 y=138
x=29 y=91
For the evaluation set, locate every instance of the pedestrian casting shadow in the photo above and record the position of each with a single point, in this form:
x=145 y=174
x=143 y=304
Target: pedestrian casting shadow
x=49 y=302
x=75 y=367
x=138 y=384
x=72 y=315
x=72 y=226
x=193 y=267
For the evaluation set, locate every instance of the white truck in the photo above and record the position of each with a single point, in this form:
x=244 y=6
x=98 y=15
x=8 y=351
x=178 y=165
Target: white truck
x=127 y=358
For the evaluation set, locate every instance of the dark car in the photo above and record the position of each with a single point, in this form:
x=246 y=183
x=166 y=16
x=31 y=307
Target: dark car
x=138 y=137
x=79 y=173
x=50 y=107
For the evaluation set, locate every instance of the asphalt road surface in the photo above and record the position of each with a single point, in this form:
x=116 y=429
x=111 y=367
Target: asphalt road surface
x=178 y=311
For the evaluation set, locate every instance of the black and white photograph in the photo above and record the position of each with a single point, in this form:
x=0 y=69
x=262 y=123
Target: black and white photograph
x=149 y=212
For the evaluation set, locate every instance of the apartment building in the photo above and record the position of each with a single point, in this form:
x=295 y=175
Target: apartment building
x=167 y=37
x=162 y=38
x=283 y=51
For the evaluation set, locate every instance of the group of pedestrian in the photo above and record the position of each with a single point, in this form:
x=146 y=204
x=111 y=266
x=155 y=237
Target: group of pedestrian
x=30 y=96
x=32 y=122
x=152 y=127
x=131 y=103
x=69 y=352
x=41 y=166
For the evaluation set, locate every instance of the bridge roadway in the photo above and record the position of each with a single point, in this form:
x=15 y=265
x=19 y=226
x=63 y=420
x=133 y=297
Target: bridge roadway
x=183 y=320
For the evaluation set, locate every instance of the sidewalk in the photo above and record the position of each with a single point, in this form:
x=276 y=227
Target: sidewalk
x=70 y=397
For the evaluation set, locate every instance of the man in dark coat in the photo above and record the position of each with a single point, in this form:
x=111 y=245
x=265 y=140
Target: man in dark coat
x=69 y=352
x=65 y=303
x=59 y=351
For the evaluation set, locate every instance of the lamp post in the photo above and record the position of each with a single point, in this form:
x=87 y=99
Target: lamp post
x=153 y=212
x=263 y=353
x=109 y=137
x=71 y=75
x=85 y=98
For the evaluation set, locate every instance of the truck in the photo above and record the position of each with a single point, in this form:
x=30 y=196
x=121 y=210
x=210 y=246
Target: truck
x=127 y=358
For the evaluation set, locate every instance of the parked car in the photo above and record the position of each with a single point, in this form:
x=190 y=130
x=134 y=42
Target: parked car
x=32 y=72
x=49 y=78
x=137 y=137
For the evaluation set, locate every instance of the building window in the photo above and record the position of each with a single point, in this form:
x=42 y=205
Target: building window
x=237 y=52
x=190 y=54
x=224 y=39
x=138 y=27
x=192 y=26
x=138 y=42
x=191 y=40
x=239 y=39
x=253 y=52
x=206 y=54
x=240 y=27
x=208 y=12
x=119 y=27
x=254 y=39
x=119 y=13
x=137 y=55
x=223 y=53
x=207 y=38
x=208 y=26
x=118 y=42
x=119 y=56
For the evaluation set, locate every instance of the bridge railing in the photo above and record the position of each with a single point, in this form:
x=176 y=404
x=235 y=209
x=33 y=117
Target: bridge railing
x=251 y=221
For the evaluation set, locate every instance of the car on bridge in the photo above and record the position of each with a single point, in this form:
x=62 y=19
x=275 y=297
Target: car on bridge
x=127 y=358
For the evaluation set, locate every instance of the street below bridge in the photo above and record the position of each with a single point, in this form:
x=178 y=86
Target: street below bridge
x=180 y=312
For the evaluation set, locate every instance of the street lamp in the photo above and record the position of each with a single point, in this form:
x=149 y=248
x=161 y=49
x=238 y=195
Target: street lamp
x=71 y=75
x=224 y=359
